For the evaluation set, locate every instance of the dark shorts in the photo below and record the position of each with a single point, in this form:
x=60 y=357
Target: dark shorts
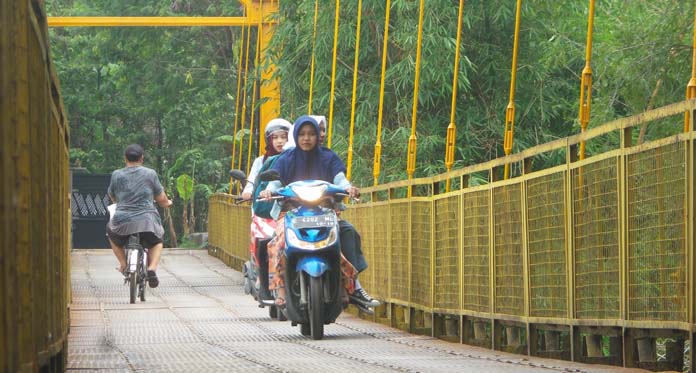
x=147 y=239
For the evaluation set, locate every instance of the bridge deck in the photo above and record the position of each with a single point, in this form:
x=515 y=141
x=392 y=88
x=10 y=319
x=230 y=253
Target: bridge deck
x=200 y=320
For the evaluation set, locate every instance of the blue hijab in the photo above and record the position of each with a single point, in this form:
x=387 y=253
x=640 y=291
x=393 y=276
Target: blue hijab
x=319 y=163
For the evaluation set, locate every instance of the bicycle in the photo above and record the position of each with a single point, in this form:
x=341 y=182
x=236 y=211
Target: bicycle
x=136 y=268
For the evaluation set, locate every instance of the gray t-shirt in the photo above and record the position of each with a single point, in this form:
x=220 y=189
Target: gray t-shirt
x=135 y=189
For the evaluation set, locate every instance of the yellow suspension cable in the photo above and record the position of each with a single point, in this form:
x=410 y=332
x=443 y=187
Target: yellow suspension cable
x=510 y=110
x=452 y=127
x=314 y=45
x=586 y=80
x=411 y=163
x=243 y=117
x=236 y=104
x=253 y=93
x=259 y=76
x=378 y=142
x=333 y=74
x=691 y=87
x=355 y=86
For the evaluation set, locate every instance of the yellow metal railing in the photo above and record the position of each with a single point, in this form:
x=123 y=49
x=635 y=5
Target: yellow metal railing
x=34 y=197
x=603 y=241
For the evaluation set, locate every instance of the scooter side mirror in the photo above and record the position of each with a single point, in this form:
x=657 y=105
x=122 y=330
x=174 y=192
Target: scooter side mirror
x=269 y=175
x=238 y=175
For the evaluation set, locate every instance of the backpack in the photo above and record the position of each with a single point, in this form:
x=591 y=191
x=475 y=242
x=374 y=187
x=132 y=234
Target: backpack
x=262 y=208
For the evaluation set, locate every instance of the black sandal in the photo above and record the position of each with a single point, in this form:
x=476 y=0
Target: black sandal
x=152 y=279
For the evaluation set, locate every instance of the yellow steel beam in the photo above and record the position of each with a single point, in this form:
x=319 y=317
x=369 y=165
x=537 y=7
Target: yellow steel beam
x=149 y=21
x=269 y=92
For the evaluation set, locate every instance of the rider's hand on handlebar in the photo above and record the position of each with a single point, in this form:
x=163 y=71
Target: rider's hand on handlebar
x=265 y=195
x=246 y=196
x=353 y=192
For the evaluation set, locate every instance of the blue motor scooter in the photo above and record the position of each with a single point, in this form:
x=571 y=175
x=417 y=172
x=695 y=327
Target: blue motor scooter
x=314 y=293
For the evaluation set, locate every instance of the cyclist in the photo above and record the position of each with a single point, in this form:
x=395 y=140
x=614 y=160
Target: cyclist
x=133 y=188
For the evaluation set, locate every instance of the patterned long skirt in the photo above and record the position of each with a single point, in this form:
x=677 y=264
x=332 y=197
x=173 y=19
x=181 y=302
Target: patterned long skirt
x=276 y=262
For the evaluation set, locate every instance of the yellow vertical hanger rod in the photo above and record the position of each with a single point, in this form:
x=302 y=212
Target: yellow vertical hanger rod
x=253 y=98
x=691 y=87
x=586 y=80
x=314 y=45
x=236 y=105
x=333 y=74
x=411 y=163
x=259 y=78
x=452 y=127
x=243 y=117
x=510 y=110
x=349 y=166
x=378 y=142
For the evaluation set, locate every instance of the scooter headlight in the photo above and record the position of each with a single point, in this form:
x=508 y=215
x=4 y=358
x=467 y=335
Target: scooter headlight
x=309 y=193
x=295 y=241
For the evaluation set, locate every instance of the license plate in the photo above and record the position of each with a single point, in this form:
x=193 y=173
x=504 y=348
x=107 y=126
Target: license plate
x=314 y=221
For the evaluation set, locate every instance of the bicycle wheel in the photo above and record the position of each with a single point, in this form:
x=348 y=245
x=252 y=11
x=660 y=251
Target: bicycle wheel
x=142 y=280
x=133 y=279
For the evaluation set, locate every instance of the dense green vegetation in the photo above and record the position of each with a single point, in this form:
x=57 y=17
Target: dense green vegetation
x=174 y=89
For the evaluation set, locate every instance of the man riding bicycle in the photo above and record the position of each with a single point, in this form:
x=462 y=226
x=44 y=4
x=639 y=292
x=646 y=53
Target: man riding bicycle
x=133 y=188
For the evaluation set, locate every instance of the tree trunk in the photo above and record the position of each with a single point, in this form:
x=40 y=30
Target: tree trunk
x=184 y=221
x=170 y=223
x=651 y=103
x=160 y=140
x=658 y=84
x=192 y=220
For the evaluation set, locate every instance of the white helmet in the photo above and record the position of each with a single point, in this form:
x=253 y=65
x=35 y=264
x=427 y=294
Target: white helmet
x=277 y=124
x=320 y=119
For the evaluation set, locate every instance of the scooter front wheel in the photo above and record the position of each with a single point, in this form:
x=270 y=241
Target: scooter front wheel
x=305 y=329
x=316 y=307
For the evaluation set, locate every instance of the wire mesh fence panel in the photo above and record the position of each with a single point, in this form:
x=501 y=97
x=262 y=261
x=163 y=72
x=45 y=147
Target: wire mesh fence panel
x=509 y=281
x=657 y=256
x=380 y=258
x=546 y=245
x=214 y=218
x=475 y=251
x=400 y=234
x=242 y=235
x=596 y=236
x=447 y=282
x=421 y=240
x=361 y=218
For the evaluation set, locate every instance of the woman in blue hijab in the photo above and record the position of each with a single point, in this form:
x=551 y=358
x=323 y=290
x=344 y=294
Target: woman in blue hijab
x=310 y=161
